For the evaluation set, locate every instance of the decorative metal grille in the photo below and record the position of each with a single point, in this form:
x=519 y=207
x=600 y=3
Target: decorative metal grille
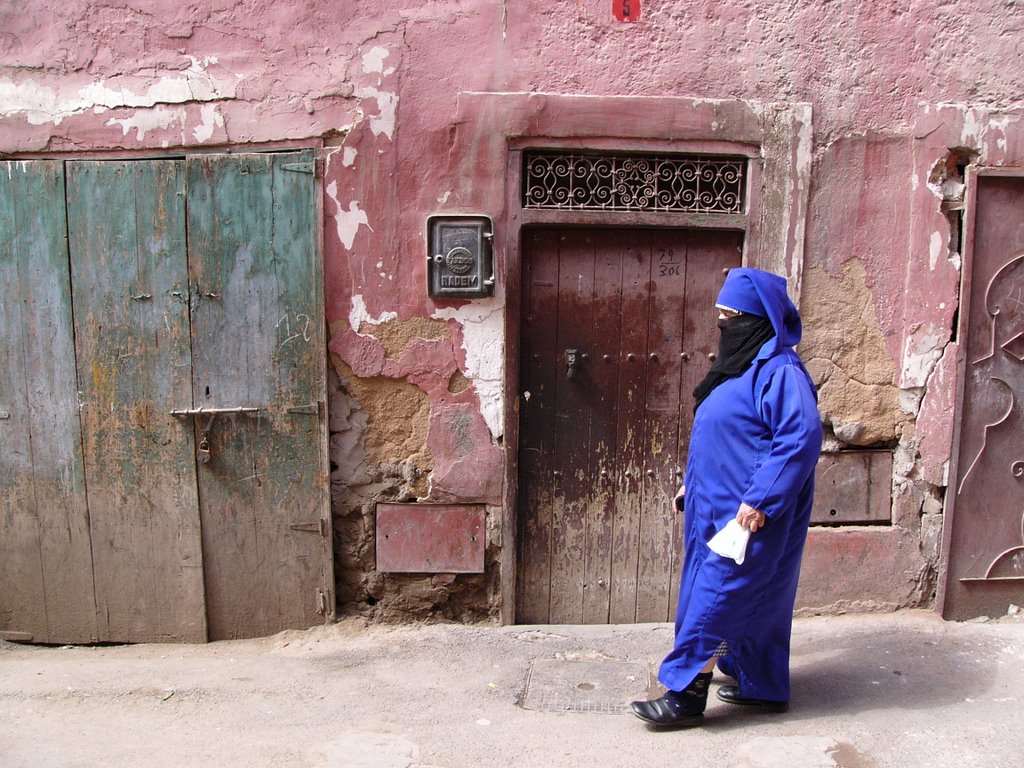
x=677 y=183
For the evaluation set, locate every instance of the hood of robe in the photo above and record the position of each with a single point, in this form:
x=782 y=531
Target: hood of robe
x=763 y=294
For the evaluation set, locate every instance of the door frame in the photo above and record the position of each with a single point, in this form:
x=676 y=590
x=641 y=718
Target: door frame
x=488 y=131
x=520 y=219
x=974 y=172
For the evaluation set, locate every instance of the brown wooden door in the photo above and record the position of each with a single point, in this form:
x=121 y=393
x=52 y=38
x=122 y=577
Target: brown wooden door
x=603 y=440
x=985 y=571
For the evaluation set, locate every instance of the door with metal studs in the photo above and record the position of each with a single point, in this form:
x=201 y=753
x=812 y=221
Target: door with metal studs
x=618 y=327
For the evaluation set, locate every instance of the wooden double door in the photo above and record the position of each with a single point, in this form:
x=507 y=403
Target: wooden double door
x=618 y=327
x=163 y=474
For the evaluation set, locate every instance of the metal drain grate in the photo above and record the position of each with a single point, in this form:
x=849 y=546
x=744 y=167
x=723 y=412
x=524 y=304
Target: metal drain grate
x=607 y=687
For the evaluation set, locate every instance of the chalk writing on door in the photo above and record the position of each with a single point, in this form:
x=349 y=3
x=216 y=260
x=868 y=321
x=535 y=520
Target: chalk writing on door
x=302 y=321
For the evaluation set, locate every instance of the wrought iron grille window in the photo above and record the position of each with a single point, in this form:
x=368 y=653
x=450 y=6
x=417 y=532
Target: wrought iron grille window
x=676 y=183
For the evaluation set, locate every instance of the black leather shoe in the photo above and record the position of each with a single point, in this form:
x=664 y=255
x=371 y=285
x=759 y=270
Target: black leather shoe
x=666 y=713
x=677 y=709
x=731 y=695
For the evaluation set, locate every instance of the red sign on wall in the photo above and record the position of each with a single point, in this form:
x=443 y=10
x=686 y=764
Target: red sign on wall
x=626 y=10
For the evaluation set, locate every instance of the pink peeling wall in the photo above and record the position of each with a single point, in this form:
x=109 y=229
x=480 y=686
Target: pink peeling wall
x=378 y=84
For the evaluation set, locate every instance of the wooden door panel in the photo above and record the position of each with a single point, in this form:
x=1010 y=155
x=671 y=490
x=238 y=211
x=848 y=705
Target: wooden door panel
x=46 y=589
x=602 y=380
x=259 y=343
x=573 y=409
x=639 y=303
x=126 y=224
x=710 y=255
x=539 y=368
x=630 y=395
x=986 y=551
x=659 y=533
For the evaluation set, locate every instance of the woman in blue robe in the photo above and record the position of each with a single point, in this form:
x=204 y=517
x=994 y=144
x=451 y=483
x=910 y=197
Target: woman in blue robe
x=753 y=449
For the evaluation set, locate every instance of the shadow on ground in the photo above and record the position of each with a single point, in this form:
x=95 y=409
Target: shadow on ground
x=911 y=670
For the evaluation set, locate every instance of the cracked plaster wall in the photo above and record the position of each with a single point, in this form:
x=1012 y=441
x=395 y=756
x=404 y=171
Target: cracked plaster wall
x=416 y=401
x=880 y=301
x=845 y=354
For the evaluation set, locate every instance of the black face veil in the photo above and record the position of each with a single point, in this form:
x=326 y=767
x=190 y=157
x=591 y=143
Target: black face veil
x=741 y=339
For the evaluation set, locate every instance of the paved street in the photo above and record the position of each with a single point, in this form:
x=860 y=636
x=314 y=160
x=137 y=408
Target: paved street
x=903 y=689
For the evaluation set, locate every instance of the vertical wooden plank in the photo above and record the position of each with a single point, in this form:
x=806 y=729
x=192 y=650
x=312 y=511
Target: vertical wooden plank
x=258 y=342
x=46 y=589
x=573 y=412
x=538 y=363
x=655 y=575
x=22 y=581
x=603 y=369
x=296 y=466
x=301 y=358
x=229 y=234
x=127 y=241
x=710 y=254
x=626 y=545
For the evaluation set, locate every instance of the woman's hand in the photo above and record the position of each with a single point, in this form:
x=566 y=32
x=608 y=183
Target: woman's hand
x=750 y=518
x=677 y=502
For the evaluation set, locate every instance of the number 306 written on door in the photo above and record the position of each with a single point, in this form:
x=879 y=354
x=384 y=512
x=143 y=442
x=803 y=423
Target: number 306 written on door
x=669 y=265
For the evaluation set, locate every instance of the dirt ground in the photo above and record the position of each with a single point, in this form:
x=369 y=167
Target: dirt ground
x=904 y=689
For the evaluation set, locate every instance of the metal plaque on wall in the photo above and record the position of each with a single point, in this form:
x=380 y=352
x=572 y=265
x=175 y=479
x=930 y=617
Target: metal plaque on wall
x=430 y=538
x=459 y=261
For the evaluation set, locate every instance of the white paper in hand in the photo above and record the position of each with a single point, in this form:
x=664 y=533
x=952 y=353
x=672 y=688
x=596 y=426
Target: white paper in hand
x=731 y=541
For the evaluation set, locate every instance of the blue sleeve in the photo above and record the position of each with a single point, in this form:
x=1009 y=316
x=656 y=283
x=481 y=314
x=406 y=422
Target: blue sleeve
x=790 y=411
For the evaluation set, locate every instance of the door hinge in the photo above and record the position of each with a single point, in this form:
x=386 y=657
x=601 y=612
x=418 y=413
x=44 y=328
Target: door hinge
x=317 y=527
x=321 y=602
x=312 y=409
x=309 y=167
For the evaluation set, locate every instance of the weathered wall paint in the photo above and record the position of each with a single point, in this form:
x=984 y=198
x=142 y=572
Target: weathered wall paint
x=846 y=355
x=880 y=101
x=482 y=355
x=42 y=104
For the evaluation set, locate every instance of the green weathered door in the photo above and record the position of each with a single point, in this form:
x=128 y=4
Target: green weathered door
x=258 y=342
x=195 y=287
x=46 y=591
x=129 y=268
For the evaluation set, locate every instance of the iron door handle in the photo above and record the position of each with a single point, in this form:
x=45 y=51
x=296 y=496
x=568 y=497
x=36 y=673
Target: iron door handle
x=572 y=359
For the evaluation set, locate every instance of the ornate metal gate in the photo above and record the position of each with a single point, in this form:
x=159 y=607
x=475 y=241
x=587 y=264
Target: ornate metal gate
x=984 y=534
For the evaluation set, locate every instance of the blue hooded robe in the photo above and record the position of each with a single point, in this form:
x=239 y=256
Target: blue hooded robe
x=756 y=439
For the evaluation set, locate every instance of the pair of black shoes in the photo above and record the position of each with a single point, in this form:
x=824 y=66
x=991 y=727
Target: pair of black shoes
x=685 y=708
